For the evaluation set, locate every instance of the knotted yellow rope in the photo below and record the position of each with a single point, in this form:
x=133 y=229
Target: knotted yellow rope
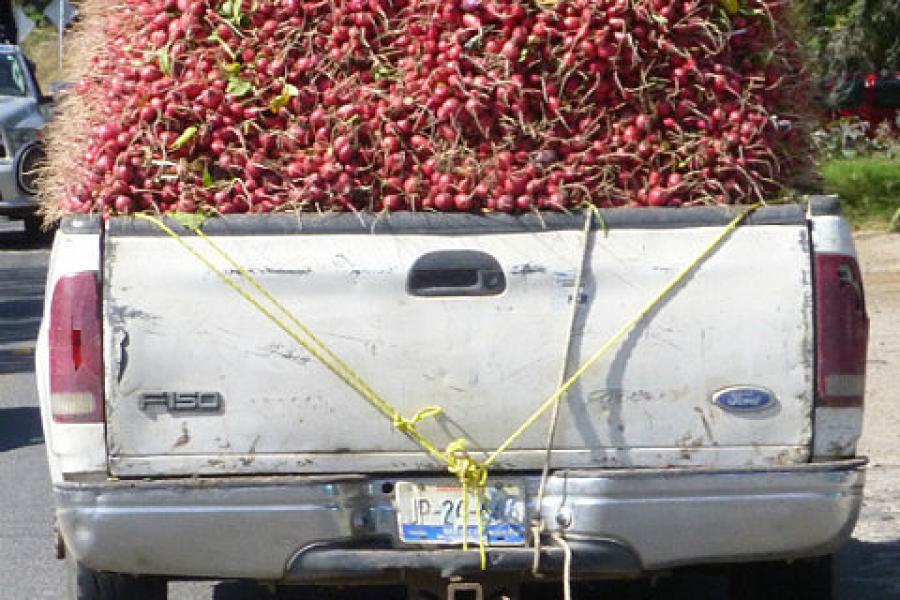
x=472 y=474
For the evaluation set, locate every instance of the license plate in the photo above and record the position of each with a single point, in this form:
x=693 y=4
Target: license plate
x=433 y=514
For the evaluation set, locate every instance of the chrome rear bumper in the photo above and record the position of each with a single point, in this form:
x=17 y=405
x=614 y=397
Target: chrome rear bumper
x=619 y=522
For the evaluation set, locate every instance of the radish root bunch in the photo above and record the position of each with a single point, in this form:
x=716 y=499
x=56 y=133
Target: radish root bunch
x=450 y=105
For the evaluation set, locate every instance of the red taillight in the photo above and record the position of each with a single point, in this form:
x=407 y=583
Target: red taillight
x=76 y=367
x=843 y=331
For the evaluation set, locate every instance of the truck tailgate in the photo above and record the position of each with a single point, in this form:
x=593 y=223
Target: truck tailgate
x=199 y=382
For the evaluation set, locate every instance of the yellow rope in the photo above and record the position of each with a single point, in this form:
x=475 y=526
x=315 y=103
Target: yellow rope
x=300 y=325
x=407 y=426
x=472 y=474
x=337 y=367
x=464 y=467
x=615 y=339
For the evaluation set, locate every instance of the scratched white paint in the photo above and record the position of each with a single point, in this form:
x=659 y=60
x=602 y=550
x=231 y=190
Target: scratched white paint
x=837 y=432
x=745 y=318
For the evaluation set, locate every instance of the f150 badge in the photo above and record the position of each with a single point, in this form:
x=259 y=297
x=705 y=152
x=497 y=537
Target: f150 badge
x=744 y=398
x=181 y=402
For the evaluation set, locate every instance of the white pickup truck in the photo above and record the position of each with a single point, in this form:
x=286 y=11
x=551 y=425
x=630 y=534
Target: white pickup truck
x=189 y=437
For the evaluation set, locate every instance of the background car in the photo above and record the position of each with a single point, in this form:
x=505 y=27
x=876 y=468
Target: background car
x=24 y=112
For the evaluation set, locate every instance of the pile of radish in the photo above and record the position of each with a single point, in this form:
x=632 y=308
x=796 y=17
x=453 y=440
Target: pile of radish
x=231 y=106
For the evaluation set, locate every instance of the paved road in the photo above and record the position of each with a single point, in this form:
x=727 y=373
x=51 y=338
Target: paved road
x=28 y=571
x=27 y=567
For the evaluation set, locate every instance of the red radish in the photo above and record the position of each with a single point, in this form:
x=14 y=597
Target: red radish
x=463 y=202
x=506 y=203
x=657 y=197
x=393 y=202
x=124 y=204
x=457 y=105
x=471 y=21
x=443 y=202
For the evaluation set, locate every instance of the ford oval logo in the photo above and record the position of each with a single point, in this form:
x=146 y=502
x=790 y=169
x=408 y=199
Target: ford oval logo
x=744 y=398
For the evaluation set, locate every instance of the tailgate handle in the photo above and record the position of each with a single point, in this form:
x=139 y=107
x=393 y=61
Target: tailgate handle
x=456 y=273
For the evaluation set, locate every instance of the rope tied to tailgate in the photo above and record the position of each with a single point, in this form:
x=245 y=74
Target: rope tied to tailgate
x=408 y=426
x=471 y=473
x=473 y=477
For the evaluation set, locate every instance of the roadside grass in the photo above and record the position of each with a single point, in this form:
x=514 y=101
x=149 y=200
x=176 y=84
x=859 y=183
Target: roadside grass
x=869 y=188
x=42 y=46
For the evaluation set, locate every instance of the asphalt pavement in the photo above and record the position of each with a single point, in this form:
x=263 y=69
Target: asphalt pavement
x=29 y=570
x=27 y=567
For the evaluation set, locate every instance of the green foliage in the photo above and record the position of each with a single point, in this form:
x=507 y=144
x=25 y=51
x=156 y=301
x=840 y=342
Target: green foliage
x=869 y=188
x=35 y=11
x=852 y=137
x=851 y=36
